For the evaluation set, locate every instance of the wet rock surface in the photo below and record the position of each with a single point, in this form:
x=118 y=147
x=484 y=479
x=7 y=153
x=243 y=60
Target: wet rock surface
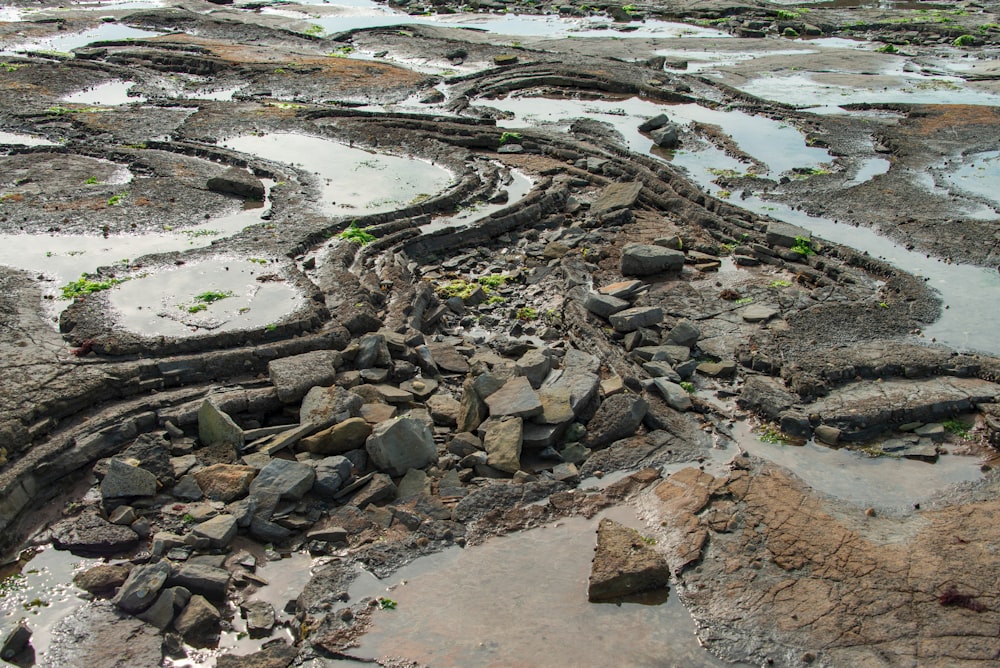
x=439 y=367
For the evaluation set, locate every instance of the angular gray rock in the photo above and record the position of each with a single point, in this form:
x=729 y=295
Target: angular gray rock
x=649 y=259
x=219 y=531
x=503 y=440
x=331 y=474
x=533 y=365
x=162 y=612
x=654 y=123
x=200 y=579
x=142 y=587
x=759 y=313
x=401 y=444
x=666 y=137
x=289 y=479
x=323 y=404
x=214 y=426
x=616 y=196
x=124 y=480
x=13 y=639
x=99 y=635
x=260 y=618
x=516 y=399
x=198 y=624
x=684 y=333
x=295 y=375
x=624 y=564
x=673 y=394
x=444 y=410
x=784 y=234
x=603 y=305
x=616 y=418
x=632 y=319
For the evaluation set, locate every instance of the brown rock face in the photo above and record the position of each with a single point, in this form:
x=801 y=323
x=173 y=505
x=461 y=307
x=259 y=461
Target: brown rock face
x=624 y=564
x=225 y=482
x=783 y=566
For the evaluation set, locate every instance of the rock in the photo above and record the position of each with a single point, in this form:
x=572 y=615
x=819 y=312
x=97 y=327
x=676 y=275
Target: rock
x=260 y=618
x=124 y=481
x=516 y=398
x=414 y=483
x=654 y=123
x=420 y=388
x=162 y=612
x=152 y=453
x=289 y=479
x=464 y=443
x=582 y=386
x=632 y=319
x=826 y=434
x=142 y=587
x=225 y=482
x=684 y=333
x=472 y=409
x=603 y=305
x=124 y=515
x=616 y=196
x=533 y=365
x=237 y=181
x=328 y=534
x=934 y=431
x=295 y=375
x=340 y=438
x=198 y=624
x=266 y=531
x=675 y=395
x=216 y=453
x=331 y=474
x=200 y=579
x=504 y=59
x=617 y=417
x=13 y=639
x=214 y=426
x=188 y=489
x=278 y=655
x=379 y=489
x=666 y=137
x=759 y=313
x=102 y=635
x=556 y=406
x=372 y=351
x=393 y=395
x=503 y=442
x=448 y=359
x=624 y=564
x=324 y=404
x=444 y=410
x=401 y=444
x=103 y=579
x=566 y=472
x=89 y=534
x=723 y=369
x=661 y=369
x=784 y=234
x=220 y=531
x=622 y=289
x=649 y=259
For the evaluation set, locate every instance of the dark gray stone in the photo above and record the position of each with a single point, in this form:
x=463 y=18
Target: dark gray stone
x=604 y=305
x=649 y=259
x=675 y=395
x=219 y=530
x=237 y=181
x=214 y=426
x=124 y=480
x=142 y=587
x=331 y=474
x=198 y=624
x=784 y=234
x=289 y=479
x=517 y=398
x=323 y=404
x=90 y=534
x=632 y=319
x=295 y=375
x=617 y=417
x=200 y=579
x=684 y=333
x=401 y=444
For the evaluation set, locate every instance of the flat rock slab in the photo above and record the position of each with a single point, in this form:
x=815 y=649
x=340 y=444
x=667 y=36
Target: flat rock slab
x=275 y=656
x=515 y=399
x=214 y=426
x=624 y=564
x=759 y=313
x=616 y=196
x=649 y=259
x=785 y=234
x=860 y=410
x=632 y=319
x=323 y=404
x=236 y=181
x=448 y=359
x=294 y=376
x=100 y=635
x=91 y=534
x=398 y=445
x=142 y=587
x=288 y=479
x=124 y=480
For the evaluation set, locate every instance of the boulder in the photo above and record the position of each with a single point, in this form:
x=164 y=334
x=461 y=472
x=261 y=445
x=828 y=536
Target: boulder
x=616 y=196
x=649 y=259
x=684 y=333
x=759 y=313
x=214 y=426
x=260 y=618
x=289 y=479
x=616 y=418
x=188 y=489
x=199 y=624
x=624 y=564
x=225 y=482
x=533 y=365
x=13 y=639
x=219 y=531
x=516 y=398
x=444 y=410
x=503 y=440
x=379 y=489
x=325 y=404
x=667 y=136
x=331 y=474
x=401 y=444
x=237 y=181
x=723 y=369
x=102 y=579
x=162 y=612
x=785 y=234
x=200 y=579
x=654 y=123
x=142 y=587
x=295 y=375
x=125 y=480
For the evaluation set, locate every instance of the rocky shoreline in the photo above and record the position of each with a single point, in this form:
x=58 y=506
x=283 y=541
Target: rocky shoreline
x=453 y=367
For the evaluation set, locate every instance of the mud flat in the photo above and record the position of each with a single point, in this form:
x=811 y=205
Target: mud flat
x=299 y=301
